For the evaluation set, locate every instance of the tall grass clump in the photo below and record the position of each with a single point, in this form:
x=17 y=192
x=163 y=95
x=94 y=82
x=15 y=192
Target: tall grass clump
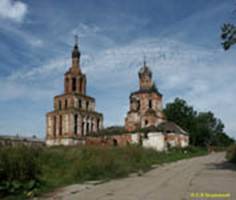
x=19 y=170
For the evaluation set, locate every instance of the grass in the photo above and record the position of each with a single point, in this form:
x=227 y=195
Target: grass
x=61 y=166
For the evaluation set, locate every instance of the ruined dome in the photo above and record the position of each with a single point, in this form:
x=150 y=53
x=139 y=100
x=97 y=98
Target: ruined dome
x=145 y=70
x=75 y=52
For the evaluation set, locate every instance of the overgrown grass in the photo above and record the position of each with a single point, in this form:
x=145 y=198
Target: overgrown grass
x=59 y=166
x=231 y=153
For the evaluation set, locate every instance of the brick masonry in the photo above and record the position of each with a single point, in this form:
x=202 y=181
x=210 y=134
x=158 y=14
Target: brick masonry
x=145 y=104
x=74 y=114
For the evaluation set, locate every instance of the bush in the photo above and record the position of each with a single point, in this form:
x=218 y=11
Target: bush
x=231 y=153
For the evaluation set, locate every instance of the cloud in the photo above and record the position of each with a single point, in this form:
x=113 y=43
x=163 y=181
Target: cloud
x=14 y=31
x=201 y=75
x=83 y=30
x=13 y=10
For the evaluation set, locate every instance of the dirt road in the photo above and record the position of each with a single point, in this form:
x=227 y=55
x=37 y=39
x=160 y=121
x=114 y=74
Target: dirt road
x=176 y=181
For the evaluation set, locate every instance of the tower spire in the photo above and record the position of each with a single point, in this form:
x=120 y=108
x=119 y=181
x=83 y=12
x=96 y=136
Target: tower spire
x=76 y=40
x=144 y=60
x=76 y=54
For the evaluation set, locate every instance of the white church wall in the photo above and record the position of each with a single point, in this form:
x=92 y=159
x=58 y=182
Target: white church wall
x=155 y=140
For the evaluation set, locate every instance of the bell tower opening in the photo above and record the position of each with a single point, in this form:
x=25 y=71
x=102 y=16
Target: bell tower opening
x=73 y=84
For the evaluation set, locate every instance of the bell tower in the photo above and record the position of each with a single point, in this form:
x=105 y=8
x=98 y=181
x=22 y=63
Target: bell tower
x=74 y=115
x=145 y=77
x=75 y=80
x=145 y=103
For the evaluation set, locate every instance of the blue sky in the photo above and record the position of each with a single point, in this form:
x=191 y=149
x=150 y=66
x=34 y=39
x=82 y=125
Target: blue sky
x=181 y=41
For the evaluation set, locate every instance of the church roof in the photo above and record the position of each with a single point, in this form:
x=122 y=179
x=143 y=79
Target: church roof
x=171 y=127
x=145 y=70
x=75 y=52
x=153 y=89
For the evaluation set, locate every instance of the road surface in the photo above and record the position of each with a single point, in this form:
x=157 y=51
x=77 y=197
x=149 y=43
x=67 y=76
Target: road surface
x=182 y=180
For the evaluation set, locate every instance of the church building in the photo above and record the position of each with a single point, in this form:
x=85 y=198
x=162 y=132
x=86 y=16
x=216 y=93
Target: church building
x=145 y=104
x=74 y=115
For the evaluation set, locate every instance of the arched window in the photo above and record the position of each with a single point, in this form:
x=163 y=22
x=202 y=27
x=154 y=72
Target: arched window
x=115 y=143
x=60 y=125
x=150 y=104
x=82 y=129
x=87 y=127
x=54 y=126
x=138 y=105
x=98 y=124
x=81 y=85
x=75 y=123
x=146 y=122
x=73 y=84
x=80 y=103
x=87 y=105
x=67 y=84
x=59 y=105
x=92 y=127
x=66 y=103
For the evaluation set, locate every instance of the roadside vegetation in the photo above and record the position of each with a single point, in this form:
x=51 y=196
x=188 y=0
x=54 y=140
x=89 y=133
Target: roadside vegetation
x=28 y=171
x=231 y=153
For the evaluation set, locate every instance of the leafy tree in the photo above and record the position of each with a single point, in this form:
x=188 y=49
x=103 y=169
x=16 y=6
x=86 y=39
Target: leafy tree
x=181 y=113
x=228 y=35
x=204 y=128
x=222 y=139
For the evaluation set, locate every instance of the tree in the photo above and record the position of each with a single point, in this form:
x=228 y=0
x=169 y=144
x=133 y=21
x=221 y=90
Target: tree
x=228 y=35
x=180 y=113
x=204 y=128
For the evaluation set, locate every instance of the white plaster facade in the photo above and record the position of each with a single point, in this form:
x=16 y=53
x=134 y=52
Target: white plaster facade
x=154 y=140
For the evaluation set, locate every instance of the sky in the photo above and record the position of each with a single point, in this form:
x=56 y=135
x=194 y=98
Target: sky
x=180 y=39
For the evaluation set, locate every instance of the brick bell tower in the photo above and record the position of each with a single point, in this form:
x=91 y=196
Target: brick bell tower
x=145 y=104
x=74 y=115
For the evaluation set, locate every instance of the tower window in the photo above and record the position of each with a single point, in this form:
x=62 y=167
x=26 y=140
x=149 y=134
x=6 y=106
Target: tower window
x=74 y=84
x=82 y=129
x=98 y=122
x=75 y=124
x=80 y=103
x=66 y=84
x=59 y=105
x=81 y=85
x=146 y=122
x=138 y=105
x=54 y=126
x=87 y=127
x=60 y=125
x=92 y=127
x=150 y=104
x=66 y=104
x=87 y=105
